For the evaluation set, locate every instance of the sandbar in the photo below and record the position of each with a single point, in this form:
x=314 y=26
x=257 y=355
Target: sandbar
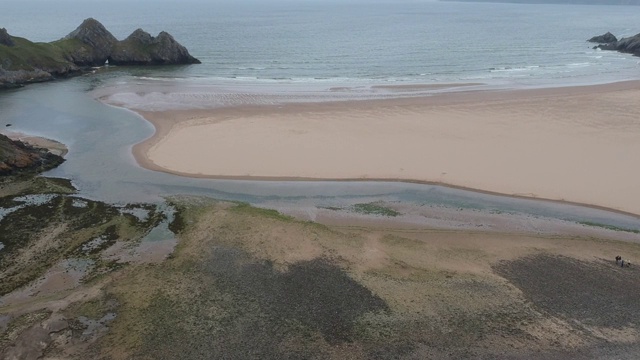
x=577 y=144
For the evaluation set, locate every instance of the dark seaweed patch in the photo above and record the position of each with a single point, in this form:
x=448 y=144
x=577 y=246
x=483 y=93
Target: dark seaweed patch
x=595 y=293
x=18 y=227
x=178 y=224
x=316 y=293
x=247 y=309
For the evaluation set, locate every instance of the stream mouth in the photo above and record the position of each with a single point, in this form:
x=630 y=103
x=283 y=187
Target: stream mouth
x=101 y=166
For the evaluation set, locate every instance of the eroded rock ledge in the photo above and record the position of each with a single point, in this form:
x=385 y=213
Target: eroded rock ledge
x=91 y=44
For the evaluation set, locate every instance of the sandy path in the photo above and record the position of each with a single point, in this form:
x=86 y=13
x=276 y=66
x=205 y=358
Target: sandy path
x=577 y=144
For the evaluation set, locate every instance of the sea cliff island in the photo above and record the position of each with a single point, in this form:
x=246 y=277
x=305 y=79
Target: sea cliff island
x=90 y=45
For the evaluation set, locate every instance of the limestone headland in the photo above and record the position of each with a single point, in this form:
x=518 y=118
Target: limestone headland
x=90 y=45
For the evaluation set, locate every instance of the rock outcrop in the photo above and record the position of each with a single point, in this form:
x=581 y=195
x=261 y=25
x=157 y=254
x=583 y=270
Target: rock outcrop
x=140 y=48
x=629 y=45
x=94 y=44
x=5 y=38
x=604 y=39
x=18 y=158
x=91 y=44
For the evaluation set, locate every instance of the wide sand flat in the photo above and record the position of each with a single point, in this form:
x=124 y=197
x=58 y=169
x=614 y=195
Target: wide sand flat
x=578 y=144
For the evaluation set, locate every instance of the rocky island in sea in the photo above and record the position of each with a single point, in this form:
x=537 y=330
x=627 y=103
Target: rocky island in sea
x=91 y=44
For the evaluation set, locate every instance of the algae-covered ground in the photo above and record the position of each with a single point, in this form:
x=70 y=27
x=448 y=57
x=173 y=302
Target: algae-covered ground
x=81 y=280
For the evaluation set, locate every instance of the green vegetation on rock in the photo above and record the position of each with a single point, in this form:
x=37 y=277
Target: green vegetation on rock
x=374 y=209
x=246 y=208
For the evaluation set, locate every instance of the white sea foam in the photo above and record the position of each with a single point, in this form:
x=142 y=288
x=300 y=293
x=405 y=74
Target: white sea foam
x=582 y=64
x=514 y=69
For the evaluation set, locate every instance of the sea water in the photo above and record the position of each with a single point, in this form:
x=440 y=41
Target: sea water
x=358 y=41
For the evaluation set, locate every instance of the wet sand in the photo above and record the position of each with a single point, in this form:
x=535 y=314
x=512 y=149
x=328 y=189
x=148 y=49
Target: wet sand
x=574 y=144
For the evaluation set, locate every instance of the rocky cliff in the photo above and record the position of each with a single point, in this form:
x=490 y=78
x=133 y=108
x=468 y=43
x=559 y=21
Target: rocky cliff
x=91 y=44
x=140 y=48
x=5 y=39
x=19 y=158
x=604 y=39
x=630 y=45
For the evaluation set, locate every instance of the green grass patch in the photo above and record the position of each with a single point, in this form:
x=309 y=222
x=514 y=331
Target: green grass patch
x=609 y=227
x=45 y=185
x=245 y=208
x=374 y=209
x=68 y=45
x=27 y=55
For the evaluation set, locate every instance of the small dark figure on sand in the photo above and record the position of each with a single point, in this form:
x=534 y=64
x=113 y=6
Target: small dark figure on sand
x=618 y=258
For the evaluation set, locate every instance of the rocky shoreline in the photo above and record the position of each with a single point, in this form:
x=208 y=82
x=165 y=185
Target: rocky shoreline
x=18 y=158
x=628 y=45
x=89 y=45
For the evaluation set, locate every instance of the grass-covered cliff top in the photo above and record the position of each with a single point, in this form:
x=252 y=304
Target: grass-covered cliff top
x=27 y=55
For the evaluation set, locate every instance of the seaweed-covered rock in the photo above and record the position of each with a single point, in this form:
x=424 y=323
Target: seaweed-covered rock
x=140 y=48
x=604 y=39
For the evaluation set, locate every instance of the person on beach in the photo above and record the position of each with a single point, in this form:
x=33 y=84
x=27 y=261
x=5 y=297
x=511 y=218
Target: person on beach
x=618 y=258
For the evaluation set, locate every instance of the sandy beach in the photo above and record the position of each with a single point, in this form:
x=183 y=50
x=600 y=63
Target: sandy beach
x=574 y=144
